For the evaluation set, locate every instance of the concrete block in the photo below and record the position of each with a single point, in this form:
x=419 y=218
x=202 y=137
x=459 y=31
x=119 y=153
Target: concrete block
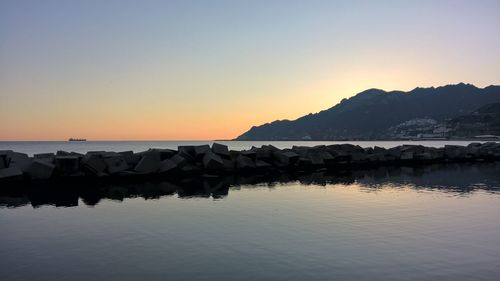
x=265 y=152
x=244 y=162
x=221 y=150
x=371 y=158
x=189 y=168
x=474 y=144
x=395 y=151
x=234 y=154
x=164 y=153
x=379 y=157
x=72 y=153
x=94 y=163
x=379 y=150
x=212 y=161
x=178 y=159
x=125 y=154
x=48 y=157
x=406 y=155
x=473 y=151
x=302 y=151
x=95 y=152
x=130 y=157
x=62 y=153
x=229 y=165
x=5 y=157
x=455 y=152
x=201 y=150
x=186 y=149
x=413 y=148
x=426 y=156
x=344 y=148
x=41 y=170
x=252 y=154
x=115 y=164
x=20 y=160
x=11 y=173
x=303 y=162
x=316 y=157
x=4 y=161
x=344 y=157
x=67 y=164
x=110 y=154
x=261 y=164
x=167 y=166
x=286 y=157
x=187 y=152
x=149 y=163
x=358 y=158
x=389 y=158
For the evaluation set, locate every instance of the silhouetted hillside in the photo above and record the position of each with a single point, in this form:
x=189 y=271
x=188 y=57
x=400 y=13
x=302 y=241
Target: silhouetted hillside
x=370 y=113
x=483 y=121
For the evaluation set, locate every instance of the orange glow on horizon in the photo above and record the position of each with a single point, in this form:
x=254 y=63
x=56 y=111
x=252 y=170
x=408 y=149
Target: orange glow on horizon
x=201 y=123
x=213 y=70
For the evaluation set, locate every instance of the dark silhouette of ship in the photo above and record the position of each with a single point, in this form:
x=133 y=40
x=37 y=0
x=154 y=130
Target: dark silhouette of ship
x=76 y=139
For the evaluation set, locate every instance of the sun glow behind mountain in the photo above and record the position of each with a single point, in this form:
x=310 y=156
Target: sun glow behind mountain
x=210 y=70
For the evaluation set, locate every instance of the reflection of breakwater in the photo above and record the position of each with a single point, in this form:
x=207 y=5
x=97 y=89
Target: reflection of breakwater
x=189 y=161
x=454 y=178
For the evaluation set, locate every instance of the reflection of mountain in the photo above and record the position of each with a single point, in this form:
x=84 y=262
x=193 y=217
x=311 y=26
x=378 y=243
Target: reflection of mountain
x=457 y=178
x=369 y=114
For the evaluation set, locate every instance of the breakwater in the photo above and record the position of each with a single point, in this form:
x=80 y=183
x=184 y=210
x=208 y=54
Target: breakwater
x=187 y=161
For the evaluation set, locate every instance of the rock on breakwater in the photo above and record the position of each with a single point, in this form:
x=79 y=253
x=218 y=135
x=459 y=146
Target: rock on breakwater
x=218 y=159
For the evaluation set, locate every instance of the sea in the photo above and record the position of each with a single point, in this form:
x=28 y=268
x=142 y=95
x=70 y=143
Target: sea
x=435 y=222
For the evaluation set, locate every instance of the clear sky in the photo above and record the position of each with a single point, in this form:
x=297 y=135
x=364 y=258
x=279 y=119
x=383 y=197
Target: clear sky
x=103 y=69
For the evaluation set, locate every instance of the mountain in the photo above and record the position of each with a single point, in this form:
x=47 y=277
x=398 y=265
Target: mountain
x=370 y=113
x=481 y=122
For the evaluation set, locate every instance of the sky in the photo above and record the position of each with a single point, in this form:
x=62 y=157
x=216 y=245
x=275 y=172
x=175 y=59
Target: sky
x=202 y=70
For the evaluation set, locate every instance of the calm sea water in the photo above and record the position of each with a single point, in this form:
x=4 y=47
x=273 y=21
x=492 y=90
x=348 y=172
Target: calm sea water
x=429 y=223
x=32 y=147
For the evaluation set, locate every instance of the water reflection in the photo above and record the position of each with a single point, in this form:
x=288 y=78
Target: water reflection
x=453 y=178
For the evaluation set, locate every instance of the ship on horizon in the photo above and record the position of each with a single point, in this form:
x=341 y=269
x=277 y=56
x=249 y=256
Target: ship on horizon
x=76 y=139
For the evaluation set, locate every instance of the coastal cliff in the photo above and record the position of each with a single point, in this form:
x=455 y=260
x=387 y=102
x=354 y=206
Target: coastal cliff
x=372 y=114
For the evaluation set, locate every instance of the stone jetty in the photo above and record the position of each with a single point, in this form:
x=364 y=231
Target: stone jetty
x=187 y=161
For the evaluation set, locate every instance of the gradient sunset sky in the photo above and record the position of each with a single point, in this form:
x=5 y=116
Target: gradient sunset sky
x=182 y=70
